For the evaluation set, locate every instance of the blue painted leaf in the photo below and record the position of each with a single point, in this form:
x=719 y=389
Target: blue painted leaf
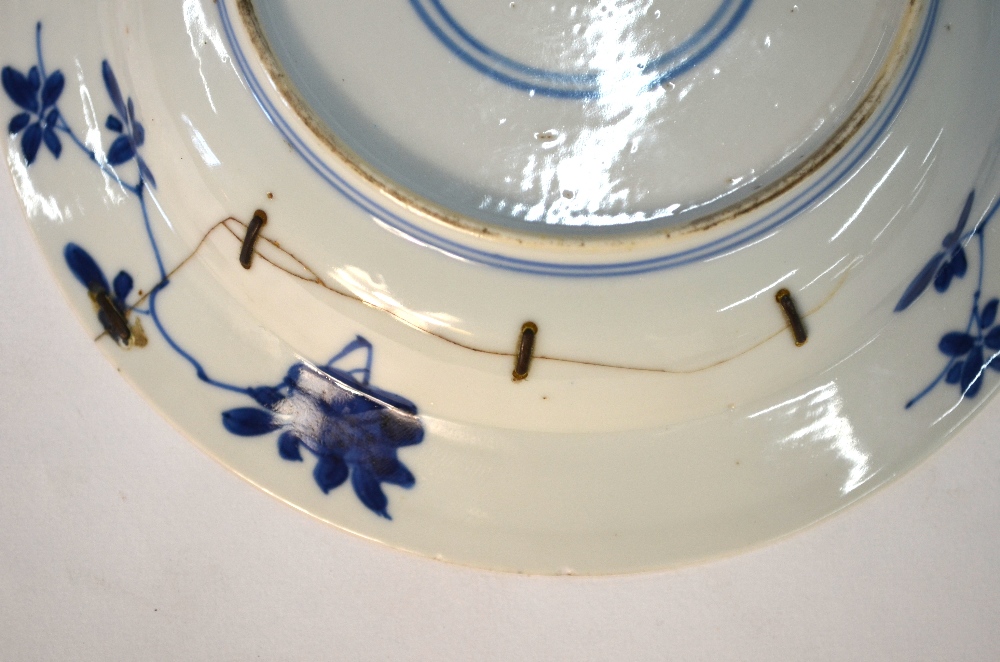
x=18 y=88
x=52 y=118
x=249 y=421
x=989 y=314
x=367 y=487
x=52 y=141
x=920 y=283
x=972 y=372
x=122 y=285
x=955 y=235
x=131 y=111
x=943 y=278
x=121 y=151
x=53 y=88
x=114 y=124
x=992 y=339
x=147 y=175
x=391 y=470
x=114 y=91
x=954 y=375
x=31 y=140
x=956 y=343
x=34 y=79
x=398 y=429
x=330 y=472
x=85 y=268
x=19 y=122
x=138 y=134
x=266 y=396
x=959 y=263
x=288 y=447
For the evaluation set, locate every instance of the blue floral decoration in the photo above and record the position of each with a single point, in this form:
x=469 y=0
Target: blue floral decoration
x=352 y=428
x=948 y=263
x=970 y=353
x=972 y=350
x=126 y=146
x=110 y=302
x=36 y=94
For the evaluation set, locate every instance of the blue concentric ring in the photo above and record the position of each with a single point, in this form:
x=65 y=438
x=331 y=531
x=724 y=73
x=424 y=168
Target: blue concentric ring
x=814 y=192
x=502 y=69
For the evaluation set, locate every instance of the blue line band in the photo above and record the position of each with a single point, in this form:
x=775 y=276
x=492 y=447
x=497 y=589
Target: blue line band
x=502 y=69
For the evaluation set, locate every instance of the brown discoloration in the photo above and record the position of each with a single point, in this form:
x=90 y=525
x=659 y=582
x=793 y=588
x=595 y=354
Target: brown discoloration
x=868 y=105
x=525 y=351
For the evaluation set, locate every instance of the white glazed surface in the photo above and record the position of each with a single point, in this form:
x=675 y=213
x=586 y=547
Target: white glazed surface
x=581 y=468
x=122 y=540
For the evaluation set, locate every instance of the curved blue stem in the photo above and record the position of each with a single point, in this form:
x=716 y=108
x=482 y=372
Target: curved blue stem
x=139 y=190
x=164 y=283
x=38 y=47
x=140 y=193
x=930 y=387
x=187 y=356
x=65 y=128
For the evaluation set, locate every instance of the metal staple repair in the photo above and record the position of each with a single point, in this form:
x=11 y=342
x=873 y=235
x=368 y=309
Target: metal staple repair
x=250 y=240
x=784 y=299
x=113 y=319
x=525 y=348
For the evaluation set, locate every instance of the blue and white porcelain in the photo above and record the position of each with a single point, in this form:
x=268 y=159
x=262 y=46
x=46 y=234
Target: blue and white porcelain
x=581 y=287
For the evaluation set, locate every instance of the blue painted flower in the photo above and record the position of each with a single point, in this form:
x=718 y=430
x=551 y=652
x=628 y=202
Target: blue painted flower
x=109 y=302
x=976 y=348
x=126 y=146
x=948 y=263
x=353 y=428
x=37 y=96
x=972 y=353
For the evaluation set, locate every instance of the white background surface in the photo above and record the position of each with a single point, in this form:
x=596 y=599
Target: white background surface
x=119 y=540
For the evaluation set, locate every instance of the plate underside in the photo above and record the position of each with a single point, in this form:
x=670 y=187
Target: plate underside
x=361 y=368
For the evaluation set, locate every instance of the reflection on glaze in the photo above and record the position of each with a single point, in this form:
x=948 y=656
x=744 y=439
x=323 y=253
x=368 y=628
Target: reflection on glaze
x=760 y=292
x=201 y=34
x=376 y=293
x=823 y=407
x=201 y=145
x=582 y=179
x=32 y=199
x=868 y=198
x=350 y=426
x=578 y=179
